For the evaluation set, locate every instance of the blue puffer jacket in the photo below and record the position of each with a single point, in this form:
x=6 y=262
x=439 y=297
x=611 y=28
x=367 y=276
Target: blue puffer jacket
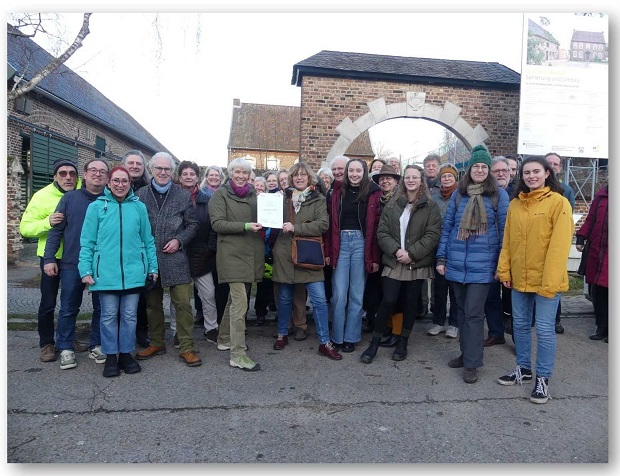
x=117 y=247
x=475 y=259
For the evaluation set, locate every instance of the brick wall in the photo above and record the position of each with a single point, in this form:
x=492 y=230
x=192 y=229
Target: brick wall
x=46 y=116
x=325 y=102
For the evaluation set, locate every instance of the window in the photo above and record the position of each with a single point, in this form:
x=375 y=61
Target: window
x=574 y=54
x=272 y=163
x=581 y=46
x=587 y=46
x=99 y=147
x=581 y=54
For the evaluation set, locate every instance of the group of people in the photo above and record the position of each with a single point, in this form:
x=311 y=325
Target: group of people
x=494 y=244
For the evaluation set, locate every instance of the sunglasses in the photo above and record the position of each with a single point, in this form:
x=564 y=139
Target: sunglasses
x=63 y=173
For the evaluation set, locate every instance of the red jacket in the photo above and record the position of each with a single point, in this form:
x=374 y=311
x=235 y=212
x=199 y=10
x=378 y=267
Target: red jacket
x=595 y=230
x=372 y=252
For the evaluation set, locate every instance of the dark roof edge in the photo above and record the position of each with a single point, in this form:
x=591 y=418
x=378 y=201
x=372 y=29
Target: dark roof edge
x=254 y=148
x=81 y=112
x=301 y=71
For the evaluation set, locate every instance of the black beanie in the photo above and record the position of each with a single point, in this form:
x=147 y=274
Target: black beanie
x=64 y=163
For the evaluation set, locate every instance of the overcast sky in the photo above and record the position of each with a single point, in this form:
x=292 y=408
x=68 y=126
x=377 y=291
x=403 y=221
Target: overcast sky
x=182 y=92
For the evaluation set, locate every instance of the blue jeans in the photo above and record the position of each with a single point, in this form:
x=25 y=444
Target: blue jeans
x=493 y=311
x=522 y=311
x=47 y=306
x=118 y=329
x=316 y=292
x=348 y=281
x=71 y=291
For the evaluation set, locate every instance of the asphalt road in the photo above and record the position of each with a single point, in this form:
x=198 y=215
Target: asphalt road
x=304 y=408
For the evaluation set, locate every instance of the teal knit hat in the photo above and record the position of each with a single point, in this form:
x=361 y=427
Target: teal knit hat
x=480 y=154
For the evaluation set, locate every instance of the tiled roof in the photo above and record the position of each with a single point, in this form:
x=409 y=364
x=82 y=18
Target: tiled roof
x=69 y=89
x=401 y=68
x=537 y=30
x=275 y=128
x=588 y=36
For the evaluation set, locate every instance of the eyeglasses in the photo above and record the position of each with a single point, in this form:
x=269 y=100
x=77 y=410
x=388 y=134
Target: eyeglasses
x=94 y=171
x=500 y=172
x=161 y=170
x=63 y=173
x=480 y=167
x=116 y=181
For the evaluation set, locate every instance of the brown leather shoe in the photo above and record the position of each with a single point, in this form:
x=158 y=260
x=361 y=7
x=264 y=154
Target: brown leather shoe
x=79 y=347
x=150 y=351
x=48 y=353
x=492 y=340
x=328 y=350
x=280 y=343
x=191 y=358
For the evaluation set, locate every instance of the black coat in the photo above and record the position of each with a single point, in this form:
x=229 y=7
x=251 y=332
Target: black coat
x=201 y=250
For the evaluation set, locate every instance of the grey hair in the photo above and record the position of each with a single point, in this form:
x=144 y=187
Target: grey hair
x=146 y=176
x=217 y=168
x=327 y=171
x=500 y=158
x=163 y=155
x=261 y=179
x=432 y=158
x=331 y=163
x=239 y=162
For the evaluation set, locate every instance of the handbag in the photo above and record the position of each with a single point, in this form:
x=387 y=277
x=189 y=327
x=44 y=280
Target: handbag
x=584 y=259
x=307 y=251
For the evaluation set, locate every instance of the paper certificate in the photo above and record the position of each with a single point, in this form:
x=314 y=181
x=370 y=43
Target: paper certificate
x=269 y=210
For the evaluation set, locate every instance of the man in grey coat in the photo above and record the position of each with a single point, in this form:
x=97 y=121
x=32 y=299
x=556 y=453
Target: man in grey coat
x=174 y=225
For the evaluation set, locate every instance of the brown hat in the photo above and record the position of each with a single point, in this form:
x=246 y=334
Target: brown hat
x=385 y=170
x=448 y=168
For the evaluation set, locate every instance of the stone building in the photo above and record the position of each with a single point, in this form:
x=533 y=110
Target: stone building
x=62 y=117
x=268 y=137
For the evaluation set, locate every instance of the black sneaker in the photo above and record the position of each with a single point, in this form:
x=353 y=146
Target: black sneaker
x=540 y=394
x=559 y=328
x=518 y=375
x=211 y=336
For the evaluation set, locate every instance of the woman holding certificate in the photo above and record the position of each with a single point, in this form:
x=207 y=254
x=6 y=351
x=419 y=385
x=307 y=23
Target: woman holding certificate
x=305 y=214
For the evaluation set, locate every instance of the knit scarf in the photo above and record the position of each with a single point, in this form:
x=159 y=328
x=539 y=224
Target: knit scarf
x=446 y=193
x=193 y=193
x=240 y=191
x=300 y=196
x=474 y=219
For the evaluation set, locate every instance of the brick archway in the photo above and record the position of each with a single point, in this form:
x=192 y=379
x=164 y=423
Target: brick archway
x=345 y=94
x=448 y=116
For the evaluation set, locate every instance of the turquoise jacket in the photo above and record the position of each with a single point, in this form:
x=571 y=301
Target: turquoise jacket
x=117 y=246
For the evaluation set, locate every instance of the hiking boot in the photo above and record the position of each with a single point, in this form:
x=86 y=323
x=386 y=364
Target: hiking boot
x=436 y=330
x=389 y=341
x=371 y=351
x=540 y=394
x=281 y=342
x=452 y=332
x=211 y=336
x=517 y=376
x=244 y=363
x=190 y=358
x=48 y=353
x=67 y=359
x=400 y=352
x=456 y=363
x=175 y=341
x=96 y=355
x=470 y=375
x=111 y=368
x=149 y=352
x=328 y=350
x=127 y=363
x=300 y=334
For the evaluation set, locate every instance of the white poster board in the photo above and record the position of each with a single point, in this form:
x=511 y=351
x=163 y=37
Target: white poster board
x=564 y=85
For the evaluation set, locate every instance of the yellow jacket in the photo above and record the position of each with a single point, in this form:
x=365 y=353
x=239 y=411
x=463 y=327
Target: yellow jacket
x=537 y=240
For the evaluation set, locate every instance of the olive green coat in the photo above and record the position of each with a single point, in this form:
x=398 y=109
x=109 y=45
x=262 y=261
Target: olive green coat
x=240 y=254
x=313 y=211
x=423 y=232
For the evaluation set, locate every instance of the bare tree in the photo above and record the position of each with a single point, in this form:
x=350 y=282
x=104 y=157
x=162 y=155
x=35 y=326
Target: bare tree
x=34 y=22
x=382 y=151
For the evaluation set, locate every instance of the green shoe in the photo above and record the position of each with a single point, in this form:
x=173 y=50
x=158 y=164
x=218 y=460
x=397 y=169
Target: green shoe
x=244 y=363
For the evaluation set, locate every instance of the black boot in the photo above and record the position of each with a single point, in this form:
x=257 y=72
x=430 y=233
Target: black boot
x=110 y=368
x=400 y=353
x=127 y=363
x=370 y=323
x=389 y=341
x=369 y=354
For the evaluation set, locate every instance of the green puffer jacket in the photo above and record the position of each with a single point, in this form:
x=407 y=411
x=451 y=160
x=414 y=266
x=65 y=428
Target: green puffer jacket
x=35 y=222
x=240 y=255
x=423 y=231
x=117 y=247
x=313 y=211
